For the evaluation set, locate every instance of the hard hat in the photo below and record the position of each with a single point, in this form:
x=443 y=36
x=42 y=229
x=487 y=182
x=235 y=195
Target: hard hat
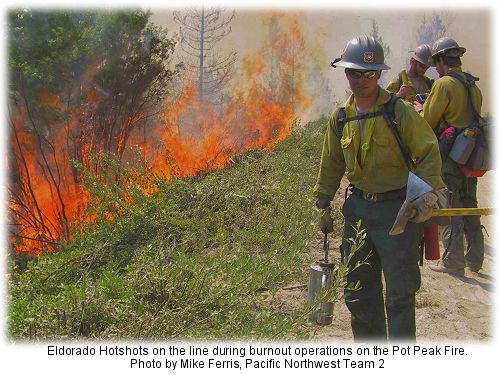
x=448 y=47
x=423 y=54
x=362 y=52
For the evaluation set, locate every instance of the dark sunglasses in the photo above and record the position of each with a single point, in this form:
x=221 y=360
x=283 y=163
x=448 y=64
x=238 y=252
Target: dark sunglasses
x=365 y=73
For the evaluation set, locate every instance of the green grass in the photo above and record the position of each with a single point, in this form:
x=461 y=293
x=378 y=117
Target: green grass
x=190 y=261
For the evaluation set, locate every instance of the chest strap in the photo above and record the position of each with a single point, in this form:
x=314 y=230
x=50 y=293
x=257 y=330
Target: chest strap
x=389 y=114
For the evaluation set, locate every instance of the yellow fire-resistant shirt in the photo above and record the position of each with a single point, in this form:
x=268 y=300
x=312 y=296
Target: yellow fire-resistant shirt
x=397 y=82
x=382 y=164
x=448 y=104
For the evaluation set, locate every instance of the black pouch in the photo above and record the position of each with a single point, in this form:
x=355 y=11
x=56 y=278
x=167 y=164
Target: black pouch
x=480 y=158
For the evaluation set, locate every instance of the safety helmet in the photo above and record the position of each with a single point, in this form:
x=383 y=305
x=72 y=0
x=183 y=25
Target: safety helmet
x=423 y=54
x=362 y=52
x=447 y=47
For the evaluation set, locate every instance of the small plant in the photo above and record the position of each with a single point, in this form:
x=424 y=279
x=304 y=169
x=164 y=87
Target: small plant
x=339 y=286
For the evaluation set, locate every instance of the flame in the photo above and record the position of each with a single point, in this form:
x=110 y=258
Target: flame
x=192 y=137
x=259 y=114
x=44 y=198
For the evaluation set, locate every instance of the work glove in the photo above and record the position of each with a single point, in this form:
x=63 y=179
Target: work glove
x=420 y=209
x=425 y=204
x=323 y=203
x=444 y=201
x=444 y=198
x=326 y=222
x=423 y=207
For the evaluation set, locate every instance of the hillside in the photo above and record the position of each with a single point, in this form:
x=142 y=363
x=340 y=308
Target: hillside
x=221 y=256
x=192 y=260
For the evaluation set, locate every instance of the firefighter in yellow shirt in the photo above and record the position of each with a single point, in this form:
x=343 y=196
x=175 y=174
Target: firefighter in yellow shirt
x=407 y=84
x=366 y=150
x=448 y=105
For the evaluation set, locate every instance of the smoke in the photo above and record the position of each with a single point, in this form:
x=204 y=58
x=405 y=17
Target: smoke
x=327 y=32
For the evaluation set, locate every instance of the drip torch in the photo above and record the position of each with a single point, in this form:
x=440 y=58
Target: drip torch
x=320 y=279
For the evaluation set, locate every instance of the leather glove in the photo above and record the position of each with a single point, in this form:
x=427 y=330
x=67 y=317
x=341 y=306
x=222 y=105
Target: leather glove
x=424 y=206
x=444 y=198
x=326 y=223
x=444 y=201
x=420 y=210
x=323 y=203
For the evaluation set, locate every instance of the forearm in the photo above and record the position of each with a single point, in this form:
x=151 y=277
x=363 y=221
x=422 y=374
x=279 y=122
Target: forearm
x=332 y=166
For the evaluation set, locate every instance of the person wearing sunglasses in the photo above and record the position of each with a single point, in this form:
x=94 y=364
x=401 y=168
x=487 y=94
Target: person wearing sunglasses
x=407 y=84
x=359 y=143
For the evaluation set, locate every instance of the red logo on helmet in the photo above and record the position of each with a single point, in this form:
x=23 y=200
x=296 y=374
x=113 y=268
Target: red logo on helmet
x=368 y=57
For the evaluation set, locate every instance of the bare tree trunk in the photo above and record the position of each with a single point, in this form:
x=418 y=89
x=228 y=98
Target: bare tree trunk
x=202 y=40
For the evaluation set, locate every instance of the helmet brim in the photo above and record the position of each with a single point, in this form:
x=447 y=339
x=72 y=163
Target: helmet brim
x=461 y=49
x=350 y=65
x=420 y=60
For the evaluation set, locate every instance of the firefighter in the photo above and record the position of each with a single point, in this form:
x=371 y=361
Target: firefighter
x=409 y=83
x=448 y=105
x=367 y=151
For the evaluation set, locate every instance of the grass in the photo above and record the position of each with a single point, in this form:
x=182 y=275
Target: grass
x=190 y=261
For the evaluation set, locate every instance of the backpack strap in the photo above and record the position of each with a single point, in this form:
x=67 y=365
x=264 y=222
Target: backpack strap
x=341 y=119
x=389 y=114
x=469 y=81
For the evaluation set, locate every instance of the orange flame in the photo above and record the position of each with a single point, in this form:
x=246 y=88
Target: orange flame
x=45 y=198
x=192 y=137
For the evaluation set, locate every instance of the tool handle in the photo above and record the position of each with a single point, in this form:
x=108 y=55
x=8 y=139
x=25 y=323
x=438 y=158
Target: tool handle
x=472 y=211
x=326 y=246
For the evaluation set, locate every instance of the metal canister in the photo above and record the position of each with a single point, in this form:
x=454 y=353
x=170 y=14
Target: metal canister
x=463 y=146
x=320 y=278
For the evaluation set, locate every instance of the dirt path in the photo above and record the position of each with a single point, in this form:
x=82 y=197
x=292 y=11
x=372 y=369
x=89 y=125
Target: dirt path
x=448 y=307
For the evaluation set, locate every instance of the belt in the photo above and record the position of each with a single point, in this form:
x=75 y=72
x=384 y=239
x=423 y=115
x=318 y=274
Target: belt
x=378 y=197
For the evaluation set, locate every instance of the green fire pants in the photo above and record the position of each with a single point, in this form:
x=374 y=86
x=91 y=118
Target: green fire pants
x=464 y=194
x=397 y=256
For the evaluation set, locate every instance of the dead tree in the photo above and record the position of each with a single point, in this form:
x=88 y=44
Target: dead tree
x=200 y=32
x=430 y=31
x=284 y=55
x=387 y=50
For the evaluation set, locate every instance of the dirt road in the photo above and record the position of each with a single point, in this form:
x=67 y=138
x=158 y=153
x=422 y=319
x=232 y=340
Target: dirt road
x=448 y=307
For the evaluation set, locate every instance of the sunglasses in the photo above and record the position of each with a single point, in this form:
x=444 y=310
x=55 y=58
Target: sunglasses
x=365 y=73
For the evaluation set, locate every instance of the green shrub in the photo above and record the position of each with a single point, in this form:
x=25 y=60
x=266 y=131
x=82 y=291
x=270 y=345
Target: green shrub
x=190 y=260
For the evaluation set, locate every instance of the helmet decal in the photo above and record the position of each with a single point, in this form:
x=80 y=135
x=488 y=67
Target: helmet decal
x=368 y=57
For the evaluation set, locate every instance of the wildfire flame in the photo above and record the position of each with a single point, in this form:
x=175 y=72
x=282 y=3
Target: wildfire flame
x=45 y=196
x=191 y=137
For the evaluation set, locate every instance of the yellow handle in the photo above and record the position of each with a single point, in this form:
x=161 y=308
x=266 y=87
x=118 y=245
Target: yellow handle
x=462 y=212
x=404 y=77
